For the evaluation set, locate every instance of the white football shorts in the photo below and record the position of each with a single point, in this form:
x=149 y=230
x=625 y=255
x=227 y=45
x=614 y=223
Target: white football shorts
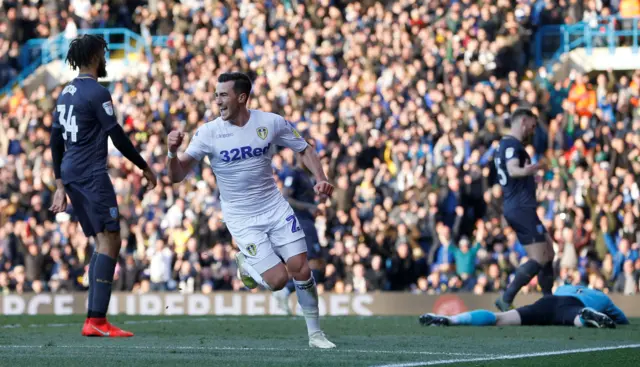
x=266 y=238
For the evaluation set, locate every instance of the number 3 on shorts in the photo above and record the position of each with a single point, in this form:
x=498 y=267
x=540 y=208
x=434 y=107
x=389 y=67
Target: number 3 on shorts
x=294 y=223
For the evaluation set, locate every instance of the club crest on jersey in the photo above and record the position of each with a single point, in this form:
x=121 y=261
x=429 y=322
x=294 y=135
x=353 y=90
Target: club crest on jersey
x=251 y=249
x=262 y=132
x=108 y=108
x=113 y=212
x=509 y=153
x=71 y=89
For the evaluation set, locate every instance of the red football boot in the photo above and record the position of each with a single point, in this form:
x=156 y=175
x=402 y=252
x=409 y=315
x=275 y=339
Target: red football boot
x=100 y=327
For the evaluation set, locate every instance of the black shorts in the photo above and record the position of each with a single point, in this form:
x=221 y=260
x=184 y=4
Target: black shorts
x=527 y=225
x=94 y=204
x=551 y=310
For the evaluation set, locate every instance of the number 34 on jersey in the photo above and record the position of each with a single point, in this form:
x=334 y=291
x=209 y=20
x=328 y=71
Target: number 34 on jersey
x=68 y=120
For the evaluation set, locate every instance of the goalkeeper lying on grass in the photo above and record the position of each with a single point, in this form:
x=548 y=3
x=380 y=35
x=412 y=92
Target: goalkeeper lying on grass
x=570 y=305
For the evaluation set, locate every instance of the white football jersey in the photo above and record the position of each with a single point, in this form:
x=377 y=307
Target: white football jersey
x=240 y=158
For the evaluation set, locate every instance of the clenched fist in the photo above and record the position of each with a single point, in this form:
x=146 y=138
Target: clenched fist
x=323 y=188
x=174 y=140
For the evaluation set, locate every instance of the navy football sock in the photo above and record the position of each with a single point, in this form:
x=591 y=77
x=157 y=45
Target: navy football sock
x=545 y=278
x=92 y=266
x=524 y=274
x=105 y=267
x=291 y=287
x=318 y=275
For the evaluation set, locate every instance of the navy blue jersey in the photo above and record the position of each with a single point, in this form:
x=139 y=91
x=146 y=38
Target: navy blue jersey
x=301 y=186
x=595 y=299
x=518 y=192
x=84 y=113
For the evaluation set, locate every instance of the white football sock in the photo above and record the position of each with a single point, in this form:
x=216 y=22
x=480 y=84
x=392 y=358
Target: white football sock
x=284 y=292
x=578 y=321
x=307 y=294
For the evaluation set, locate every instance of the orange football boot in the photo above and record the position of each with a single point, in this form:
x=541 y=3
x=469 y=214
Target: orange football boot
x=100 y=327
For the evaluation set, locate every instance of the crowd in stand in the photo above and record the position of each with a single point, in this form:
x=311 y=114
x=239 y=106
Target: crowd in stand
x=406 y=101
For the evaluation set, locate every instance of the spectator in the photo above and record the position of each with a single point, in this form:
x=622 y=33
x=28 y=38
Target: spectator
x=626 y=282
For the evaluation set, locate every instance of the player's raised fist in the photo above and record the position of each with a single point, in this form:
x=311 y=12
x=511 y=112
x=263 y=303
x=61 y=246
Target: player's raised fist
x=323 y=188
x=174 y=140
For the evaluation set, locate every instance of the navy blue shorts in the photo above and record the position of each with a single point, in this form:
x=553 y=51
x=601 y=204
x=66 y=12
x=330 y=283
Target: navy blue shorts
x=551 y=310
x=527 y=225
x=94 y=203
x=311 y=237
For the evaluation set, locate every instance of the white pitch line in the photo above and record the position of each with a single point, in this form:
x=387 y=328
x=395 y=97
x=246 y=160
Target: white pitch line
x=506 y=357
x=243 y=349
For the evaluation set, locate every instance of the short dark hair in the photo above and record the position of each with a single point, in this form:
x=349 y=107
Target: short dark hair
x=242 y=82
x=84 y=49
x=520 y=113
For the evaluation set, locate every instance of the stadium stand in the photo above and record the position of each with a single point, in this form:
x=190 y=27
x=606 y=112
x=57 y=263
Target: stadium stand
x=405 y=100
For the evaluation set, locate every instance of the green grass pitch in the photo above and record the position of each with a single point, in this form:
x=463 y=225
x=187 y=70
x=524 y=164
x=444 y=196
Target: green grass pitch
x=282 y=341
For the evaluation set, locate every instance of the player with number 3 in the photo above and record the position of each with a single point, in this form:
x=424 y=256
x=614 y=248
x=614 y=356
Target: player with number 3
x=516 y=176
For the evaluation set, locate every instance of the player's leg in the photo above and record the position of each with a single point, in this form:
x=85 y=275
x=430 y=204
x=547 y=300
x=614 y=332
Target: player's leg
x=95 y=198
x=589 y=317
x=276 y=276
x=291 y=246
x=282 y=296
x=570 y=311
x=542 y=312
x=546 y=273
x=471 y=318
x=295 y=255
x=555 y=310
x=81 y=207
x=259 y=265
x=509 y=318
x=315 y=264
x=257 y=262
x=532 y=234
x=105 y=265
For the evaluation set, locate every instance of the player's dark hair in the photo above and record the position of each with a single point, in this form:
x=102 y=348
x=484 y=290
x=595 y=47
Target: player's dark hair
x=242 y=82
x=84 y=49
x=520 y=113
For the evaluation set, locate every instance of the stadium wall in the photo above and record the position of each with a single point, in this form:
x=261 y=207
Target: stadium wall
x=261 y=303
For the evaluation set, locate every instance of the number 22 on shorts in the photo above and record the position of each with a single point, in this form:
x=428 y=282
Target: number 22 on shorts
x=294 y=223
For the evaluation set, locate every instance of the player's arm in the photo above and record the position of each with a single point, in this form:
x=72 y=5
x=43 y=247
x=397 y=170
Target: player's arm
x=103 y=107
x=513 y=166
x=180 y=164
x=57 y=152
x=123 y=144
x=288 y=136
x=300 y=205
x=287 y=192
x=311 y=160
x=616 y=314
x=59 y=203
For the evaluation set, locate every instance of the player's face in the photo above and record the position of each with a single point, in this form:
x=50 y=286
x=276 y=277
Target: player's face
x=529 y=126
x=102 y=66
x=227 y=100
